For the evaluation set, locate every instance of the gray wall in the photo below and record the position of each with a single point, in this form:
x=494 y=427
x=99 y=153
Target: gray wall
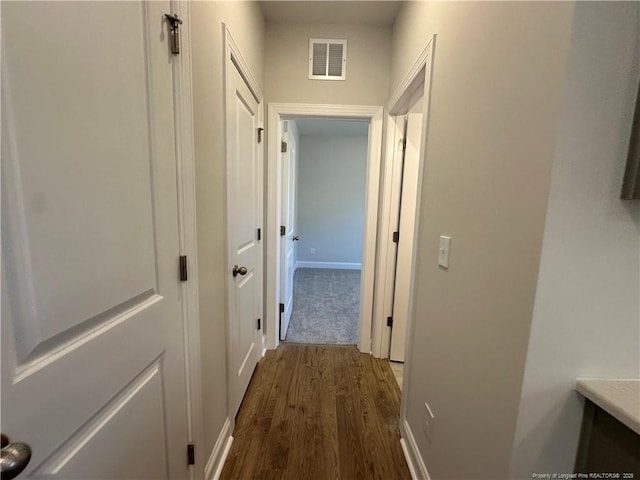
x=586 y=317
x=498 y=78
x=246 y=24
x=331 y=197
x=287 y=64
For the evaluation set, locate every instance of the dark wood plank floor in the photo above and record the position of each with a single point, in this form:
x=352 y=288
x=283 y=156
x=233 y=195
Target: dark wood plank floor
x=318 y=412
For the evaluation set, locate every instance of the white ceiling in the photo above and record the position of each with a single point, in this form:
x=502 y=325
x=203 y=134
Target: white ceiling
x=331 y=11
x=326 y=127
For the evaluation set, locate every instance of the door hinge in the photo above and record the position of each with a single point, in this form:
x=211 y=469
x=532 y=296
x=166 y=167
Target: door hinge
x=259 y=234
x=183 y=268
x=260 y=130
x=396 y=237
x=283 y=146
x=283 y=230
x=389 y=321
x=174 y=30
x=259 y=324
x=191 y=454
x=282 y=308
x=402 y=144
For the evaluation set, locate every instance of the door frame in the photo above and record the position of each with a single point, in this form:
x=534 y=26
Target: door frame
x=418 y=79
x=415 y=84
x=285 y=111
x=186 y=171
x=233 y=58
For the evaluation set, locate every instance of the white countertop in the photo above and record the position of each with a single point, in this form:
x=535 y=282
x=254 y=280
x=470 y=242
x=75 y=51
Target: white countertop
x=618 y=397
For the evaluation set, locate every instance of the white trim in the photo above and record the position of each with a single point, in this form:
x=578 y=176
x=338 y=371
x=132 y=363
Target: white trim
x=408 y=459
x=232 y=51
x=277 y=111
x=333 y=265
x=415 y=462
x=407 y=87
x=415 y=83
x=423 y=64
x=218 y=455
x=183 y=104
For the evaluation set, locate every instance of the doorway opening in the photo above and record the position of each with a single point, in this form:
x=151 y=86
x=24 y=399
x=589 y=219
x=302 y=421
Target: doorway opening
x=331 y=239
x=324 y=168
x=404 y=205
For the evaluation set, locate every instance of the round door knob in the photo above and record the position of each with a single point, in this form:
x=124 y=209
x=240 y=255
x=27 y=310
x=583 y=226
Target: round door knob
x=239 y=270
x=14 y=458
x=295 y=238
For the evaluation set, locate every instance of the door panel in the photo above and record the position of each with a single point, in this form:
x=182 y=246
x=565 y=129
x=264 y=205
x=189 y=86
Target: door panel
x=138 y=412
x=289 y=163
x=404 y=262
x=244 y=249
x=89 y=218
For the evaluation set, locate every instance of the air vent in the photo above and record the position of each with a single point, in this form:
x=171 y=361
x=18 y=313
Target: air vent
x=327 y=59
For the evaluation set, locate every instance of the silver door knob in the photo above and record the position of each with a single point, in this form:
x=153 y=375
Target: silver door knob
x=295 y=238
x=14 y=458
x=239 y=270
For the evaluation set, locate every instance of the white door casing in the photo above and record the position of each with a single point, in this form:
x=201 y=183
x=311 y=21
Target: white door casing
x=277 y=112
x=415 y=84
x=289 y=161
x=417 y=78
x=243 y=192
x=405 y=253
x=93 y=359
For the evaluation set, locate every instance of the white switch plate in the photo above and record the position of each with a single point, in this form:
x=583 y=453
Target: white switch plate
x=312 y=250
x=443 y=251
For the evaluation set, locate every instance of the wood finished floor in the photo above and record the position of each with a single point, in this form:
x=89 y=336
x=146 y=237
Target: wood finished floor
x=318 y=412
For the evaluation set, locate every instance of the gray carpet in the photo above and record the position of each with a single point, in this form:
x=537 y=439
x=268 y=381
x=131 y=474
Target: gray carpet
x=326 y=306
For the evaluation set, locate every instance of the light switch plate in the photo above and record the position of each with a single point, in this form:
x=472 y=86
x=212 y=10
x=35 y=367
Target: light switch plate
x=443 y=251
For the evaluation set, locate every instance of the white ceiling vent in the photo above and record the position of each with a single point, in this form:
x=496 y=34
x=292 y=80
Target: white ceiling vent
x=327 y=59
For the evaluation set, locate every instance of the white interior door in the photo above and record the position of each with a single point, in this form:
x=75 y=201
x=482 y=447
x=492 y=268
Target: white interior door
x=93 y=362
x=244 y=256
x=288 y=239
x=408 y=206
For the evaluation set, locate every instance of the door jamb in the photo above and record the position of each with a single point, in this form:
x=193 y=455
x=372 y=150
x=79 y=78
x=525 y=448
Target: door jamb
x=282 y=111
x=185 y=170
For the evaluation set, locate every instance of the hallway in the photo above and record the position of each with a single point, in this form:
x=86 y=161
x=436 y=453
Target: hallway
x=149 y=243
x=318 y=412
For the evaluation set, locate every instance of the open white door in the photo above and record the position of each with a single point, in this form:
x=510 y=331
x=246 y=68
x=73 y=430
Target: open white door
x=244 y=256
x=288 y=228
x=408 y=206
x=93 y=367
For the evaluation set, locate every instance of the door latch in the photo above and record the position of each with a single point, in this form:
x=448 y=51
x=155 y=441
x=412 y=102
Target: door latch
x=174 y=29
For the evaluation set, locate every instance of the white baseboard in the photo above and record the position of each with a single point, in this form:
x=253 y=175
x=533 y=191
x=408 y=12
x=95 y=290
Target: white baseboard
x=416 y=465
x=213 y=468
x=334 y=265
